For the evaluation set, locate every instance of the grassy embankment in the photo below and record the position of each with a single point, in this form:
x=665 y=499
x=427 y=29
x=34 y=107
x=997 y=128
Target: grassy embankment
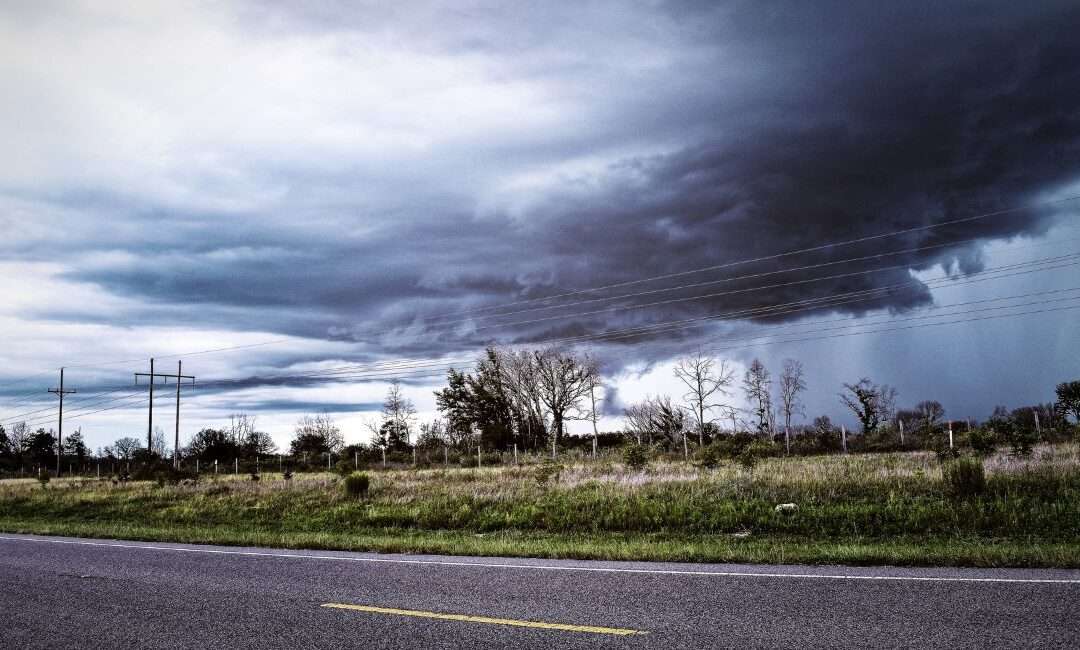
x=866 y=509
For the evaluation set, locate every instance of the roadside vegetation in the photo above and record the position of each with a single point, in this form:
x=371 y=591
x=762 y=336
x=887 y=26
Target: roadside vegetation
x=689 y=478
x=896 y=508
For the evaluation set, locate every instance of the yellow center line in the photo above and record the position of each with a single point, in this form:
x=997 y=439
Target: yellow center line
x=484 y=619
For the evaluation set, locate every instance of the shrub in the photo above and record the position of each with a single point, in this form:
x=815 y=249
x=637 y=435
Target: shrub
x=43 y=477
x=707 y=457
x=731 y=446
x=983 y=441
x=287 y=475
x=635 y=456
x=945 y=453
x=547 y=471
x=749 y=457
x=357 y=484
x=344 y=467
x=254 y=475
x=964 y=477
x=1021 y=440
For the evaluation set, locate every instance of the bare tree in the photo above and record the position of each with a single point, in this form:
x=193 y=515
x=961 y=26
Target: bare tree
x=159 y=447
x=791 y=384
x=318 y=432
x=240 y=427
x=564 y=380
x=930 y=412
x=757 y=384
x=398 y=413
x=520 y=377
x=594 y=383
x=19 y=438
x=432 y=435
x=126 y=448
x=656 y=417
x=703 y=380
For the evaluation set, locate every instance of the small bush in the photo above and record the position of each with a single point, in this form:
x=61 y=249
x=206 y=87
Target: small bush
x=43 y=477
x=1021 y=440
x=983 y=441
x=730 y=446
x=357 y=484
x=964 y=477
x=287 y=475
x=635 y=456
x=945 y=453
x=707 y=457
x=255 y=476
x=749 y=457
x=344 y=467
x=547 y=472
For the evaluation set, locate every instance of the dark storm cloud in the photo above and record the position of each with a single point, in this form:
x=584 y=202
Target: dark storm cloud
x=789 y=125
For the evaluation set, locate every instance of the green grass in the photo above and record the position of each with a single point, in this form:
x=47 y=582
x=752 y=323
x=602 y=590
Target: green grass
x=867 y=509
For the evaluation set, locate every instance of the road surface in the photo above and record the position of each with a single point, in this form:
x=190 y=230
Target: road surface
x=64 y=592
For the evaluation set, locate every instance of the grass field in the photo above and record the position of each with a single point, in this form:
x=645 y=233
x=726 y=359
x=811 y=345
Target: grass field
x=858 y=509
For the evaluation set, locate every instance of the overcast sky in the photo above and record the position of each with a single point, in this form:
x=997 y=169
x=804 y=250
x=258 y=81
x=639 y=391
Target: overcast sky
x=347 y=183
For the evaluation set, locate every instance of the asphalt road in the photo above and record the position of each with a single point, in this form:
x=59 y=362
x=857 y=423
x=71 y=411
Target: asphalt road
x=61 y=592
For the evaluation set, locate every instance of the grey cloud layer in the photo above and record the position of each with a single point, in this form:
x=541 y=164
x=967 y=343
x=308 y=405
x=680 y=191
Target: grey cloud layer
x=724 y=131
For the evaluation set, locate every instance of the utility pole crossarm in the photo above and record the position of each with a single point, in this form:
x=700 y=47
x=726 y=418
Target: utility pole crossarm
x=151 y=376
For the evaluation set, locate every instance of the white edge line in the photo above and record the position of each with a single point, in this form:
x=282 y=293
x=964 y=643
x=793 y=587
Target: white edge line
x=549 y=567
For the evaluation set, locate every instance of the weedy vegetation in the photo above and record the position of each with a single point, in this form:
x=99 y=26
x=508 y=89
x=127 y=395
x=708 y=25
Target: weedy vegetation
x=898 y=508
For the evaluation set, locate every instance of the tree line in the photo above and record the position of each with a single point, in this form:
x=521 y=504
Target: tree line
x=522 y=399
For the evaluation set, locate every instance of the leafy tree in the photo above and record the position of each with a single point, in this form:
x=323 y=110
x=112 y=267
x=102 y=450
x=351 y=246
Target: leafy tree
x=456 y=402
x=1068 y=399
x=869 y=402
x=1021 y=440
x=74 y=446
x=398 y=415
x=316 y=435
x=42 y=447
x=209 y=445
x=482 y=402
x=259 y=443
x=126 y=448
x=5 y=444
x=393 y=436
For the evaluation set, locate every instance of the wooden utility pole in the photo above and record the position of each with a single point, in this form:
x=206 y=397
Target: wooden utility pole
x=179 y=377
x=595 y=432
x=60 y=420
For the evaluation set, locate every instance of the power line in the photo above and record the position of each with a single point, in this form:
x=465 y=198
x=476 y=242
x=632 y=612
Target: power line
x=386 y=369
x=896 y=329
x=723 y=293
x=774 y=256
x=812 y=338
x=748 y=276
x=808 y=305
